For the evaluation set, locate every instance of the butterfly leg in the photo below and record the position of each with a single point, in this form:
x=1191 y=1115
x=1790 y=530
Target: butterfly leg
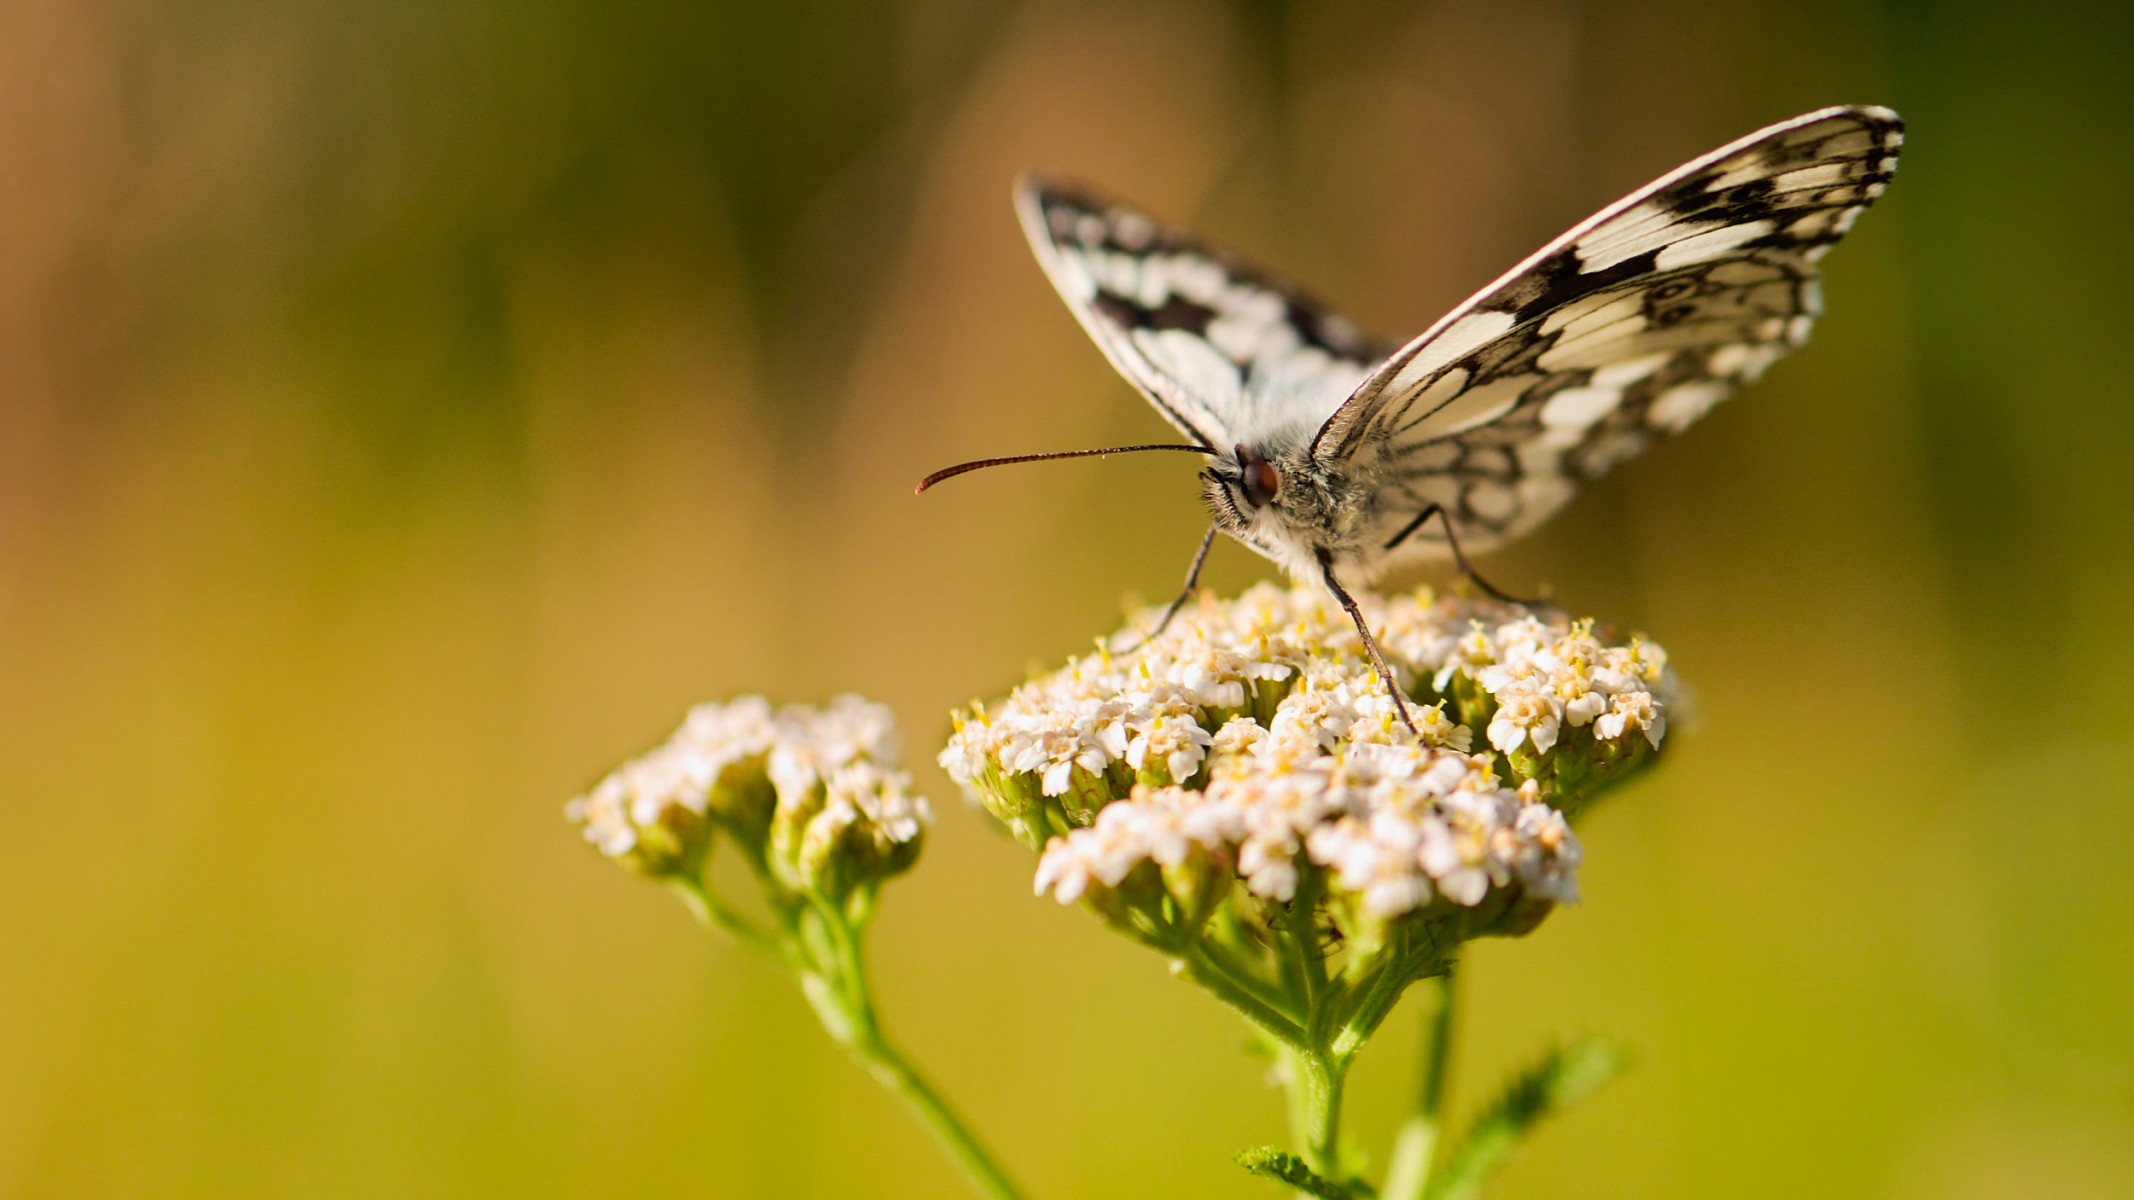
x=1452 y=539
x=1370 y=644
x=1200 y=559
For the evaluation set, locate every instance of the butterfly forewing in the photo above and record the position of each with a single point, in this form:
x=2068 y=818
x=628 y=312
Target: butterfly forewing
x=1226 y=353
x=1631 y=325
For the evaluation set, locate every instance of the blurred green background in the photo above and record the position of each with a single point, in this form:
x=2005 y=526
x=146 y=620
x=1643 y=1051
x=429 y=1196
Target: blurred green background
x=408 y=408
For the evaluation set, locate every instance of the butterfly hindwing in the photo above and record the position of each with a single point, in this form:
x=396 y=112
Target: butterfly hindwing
x=1631 y=325
x=1223 y=350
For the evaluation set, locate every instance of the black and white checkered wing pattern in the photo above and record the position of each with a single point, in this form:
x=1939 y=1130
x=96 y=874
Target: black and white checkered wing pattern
x=1223 y=350
x=1630 y=326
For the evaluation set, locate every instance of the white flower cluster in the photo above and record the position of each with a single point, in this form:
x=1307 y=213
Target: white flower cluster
x=839 y=760
x=1395 y=828
x=1253 y=736
x=1542 y=678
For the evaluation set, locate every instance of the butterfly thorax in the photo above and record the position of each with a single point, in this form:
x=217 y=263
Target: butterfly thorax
x=1297 y=511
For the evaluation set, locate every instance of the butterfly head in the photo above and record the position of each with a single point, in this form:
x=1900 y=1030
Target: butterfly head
x=1260 y=500
x=1239 y=486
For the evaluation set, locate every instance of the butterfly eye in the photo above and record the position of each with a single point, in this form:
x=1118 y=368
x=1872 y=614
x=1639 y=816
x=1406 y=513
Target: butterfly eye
x=1261 y=479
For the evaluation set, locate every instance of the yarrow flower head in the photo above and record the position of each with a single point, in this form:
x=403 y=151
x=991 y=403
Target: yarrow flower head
x=1247 y=765
x=812 y=803
x=811 y=796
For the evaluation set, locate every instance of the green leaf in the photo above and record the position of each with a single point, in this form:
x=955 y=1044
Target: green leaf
x=1287 y=1169
x=1563 y=1077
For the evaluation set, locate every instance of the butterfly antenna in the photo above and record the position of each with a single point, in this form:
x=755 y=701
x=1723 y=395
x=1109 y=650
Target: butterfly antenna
x=982 y=463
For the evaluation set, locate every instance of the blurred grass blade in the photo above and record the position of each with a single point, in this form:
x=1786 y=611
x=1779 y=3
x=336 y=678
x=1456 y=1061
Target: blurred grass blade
x=1563 y=1077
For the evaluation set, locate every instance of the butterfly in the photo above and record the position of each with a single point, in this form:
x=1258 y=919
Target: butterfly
x=1344 y=459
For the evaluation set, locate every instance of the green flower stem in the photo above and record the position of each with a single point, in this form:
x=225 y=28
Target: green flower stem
x=1415 y=1146
x=1274 y=994
x=892 y=1070
x=1297 y=1095
x=1324 y=1081
x=1314 y=1085
x=1197 y=964
x=1301 y=943
x=822 y=944
x=712 y=913
x=864 y=1037
x=1373 y=1002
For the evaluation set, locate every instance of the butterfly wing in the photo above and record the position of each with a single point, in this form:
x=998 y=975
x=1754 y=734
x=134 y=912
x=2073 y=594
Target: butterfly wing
x=1223 y=350
x=1629 y=326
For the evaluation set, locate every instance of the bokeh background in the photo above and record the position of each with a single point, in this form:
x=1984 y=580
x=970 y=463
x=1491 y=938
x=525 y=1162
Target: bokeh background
x=408 y=408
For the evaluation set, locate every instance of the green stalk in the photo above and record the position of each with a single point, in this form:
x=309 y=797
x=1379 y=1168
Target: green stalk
x=1296 y=1094
x=1314 y=1076
x=1415 y=1146
x=1301 y=943
x=1199 y=965
x=894 y=1071
x=823 y=946
x=712 y=913
x=1324 y=1082
x=1314 y=1085
x=1378 y=994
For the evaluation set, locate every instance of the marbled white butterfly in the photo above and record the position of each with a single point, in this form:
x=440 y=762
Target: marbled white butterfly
x=1333 y=454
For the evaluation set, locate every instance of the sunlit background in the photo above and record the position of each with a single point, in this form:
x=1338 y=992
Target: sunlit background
x=408 y=408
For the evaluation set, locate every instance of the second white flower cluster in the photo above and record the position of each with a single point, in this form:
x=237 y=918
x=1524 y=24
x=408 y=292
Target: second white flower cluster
x=806 y=780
